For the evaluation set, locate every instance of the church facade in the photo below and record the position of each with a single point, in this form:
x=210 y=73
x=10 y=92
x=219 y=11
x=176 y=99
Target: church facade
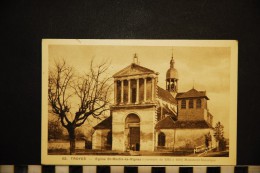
x=146 y=117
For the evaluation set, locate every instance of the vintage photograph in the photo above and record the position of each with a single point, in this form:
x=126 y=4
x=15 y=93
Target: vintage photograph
x=139 y=102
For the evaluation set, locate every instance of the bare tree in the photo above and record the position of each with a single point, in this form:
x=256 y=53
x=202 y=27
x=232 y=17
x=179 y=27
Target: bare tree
x=91 y=91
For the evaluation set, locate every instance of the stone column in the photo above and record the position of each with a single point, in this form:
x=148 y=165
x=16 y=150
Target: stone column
x=152 y=89
x=122 y=91
x=137 y=91
x=115 y=91
x=144 y=89
x=129 y=90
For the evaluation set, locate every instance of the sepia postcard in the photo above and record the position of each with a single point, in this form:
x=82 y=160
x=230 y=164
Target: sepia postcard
x=139 y=102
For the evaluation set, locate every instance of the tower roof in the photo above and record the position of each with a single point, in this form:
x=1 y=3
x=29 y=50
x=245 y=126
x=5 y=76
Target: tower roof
x=193 y=93
x=172 y=73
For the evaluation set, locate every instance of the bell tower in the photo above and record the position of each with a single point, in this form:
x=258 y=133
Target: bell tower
x=172 y=79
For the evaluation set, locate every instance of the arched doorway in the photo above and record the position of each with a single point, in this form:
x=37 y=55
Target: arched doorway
x=132 y=129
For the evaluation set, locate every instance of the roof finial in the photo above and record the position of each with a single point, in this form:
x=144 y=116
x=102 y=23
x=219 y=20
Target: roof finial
x=135 y=60
x=172 y=52
x=193 y=84
x=172 y=61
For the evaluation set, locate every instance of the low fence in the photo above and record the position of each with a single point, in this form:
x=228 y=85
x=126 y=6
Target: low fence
x=199 y=149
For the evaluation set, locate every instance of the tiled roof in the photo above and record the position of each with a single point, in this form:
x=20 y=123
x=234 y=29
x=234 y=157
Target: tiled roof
x=166 y=123
x=165 y=95
x=133 y=69
x=105 y=124
x=193 y=93
x=169 y=123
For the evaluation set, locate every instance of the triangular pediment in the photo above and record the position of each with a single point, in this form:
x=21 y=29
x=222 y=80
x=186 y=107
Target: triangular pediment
x=132 y=70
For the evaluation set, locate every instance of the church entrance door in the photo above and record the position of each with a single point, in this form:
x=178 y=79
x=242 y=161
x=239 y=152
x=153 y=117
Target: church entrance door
x=132 y=131
x=135 y=138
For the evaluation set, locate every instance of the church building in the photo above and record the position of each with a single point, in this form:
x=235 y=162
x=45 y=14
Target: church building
x=146 y=117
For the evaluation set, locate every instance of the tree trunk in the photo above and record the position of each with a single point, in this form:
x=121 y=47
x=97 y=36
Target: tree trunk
x=72 y=137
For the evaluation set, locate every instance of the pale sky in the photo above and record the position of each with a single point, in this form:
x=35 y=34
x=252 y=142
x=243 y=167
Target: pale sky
x=207 y=68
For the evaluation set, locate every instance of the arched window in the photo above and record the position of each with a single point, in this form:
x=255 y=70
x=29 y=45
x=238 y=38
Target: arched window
x=161 y=139
x=198 y=103
x=191 y=103
x=183 y=104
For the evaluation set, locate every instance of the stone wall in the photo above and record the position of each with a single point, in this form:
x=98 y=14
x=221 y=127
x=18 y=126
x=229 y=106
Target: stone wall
x=99 y=139
x=185 y=139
